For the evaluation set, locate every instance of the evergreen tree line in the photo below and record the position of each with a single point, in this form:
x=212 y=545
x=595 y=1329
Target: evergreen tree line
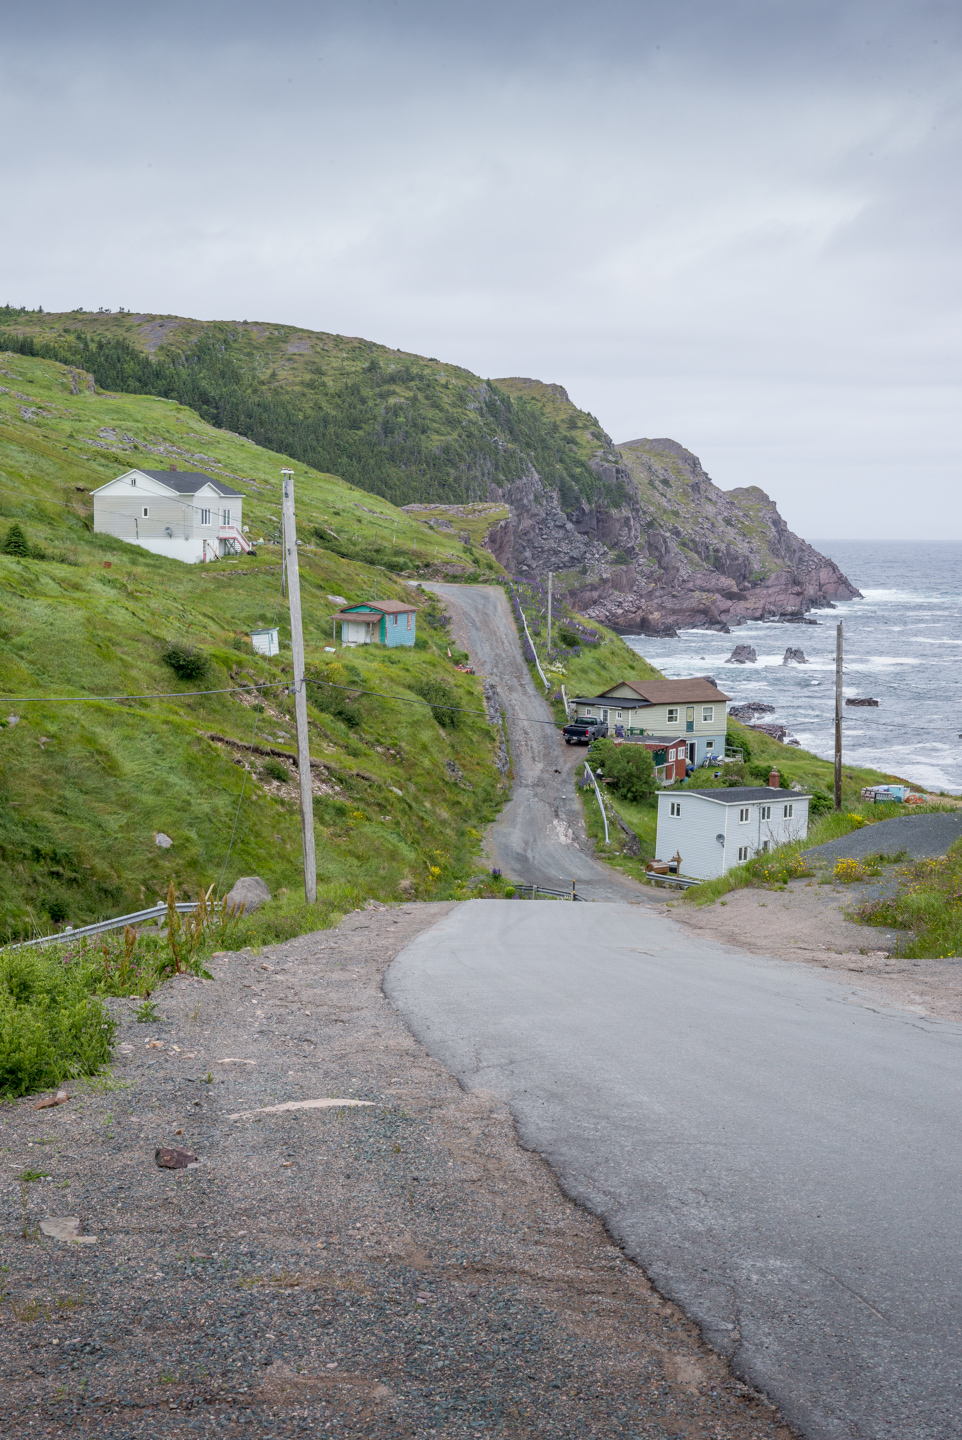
x=347 y=430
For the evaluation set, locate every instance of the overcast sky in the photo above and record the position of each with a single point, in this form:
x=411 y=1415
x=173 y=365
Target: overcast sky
x=736 y=224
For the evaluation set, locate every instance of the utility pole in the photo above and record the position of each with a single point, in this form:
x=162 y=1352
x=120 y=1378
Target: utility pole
x=838 y=717
x=300 y=689
x=550 y=578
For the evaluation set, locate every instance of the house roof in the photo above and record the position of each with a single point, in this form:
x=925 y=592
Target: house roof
x=188 y=482
x=623 y=702
x=742 y=794
x=672 y=692
x=373 y=607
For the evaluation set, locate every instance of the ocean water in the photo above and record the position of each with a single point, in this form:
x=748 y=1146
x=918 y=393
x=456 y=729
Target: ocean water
x=903 y=646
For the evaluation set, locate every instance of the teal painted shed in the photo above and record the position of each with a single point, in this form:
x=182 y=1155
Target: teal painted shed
x=377 y=622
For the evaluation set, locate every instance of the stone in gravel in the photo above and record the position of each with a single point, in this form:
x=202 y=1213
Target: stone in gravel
x=249 y=891
x=58 y=1099
x=174 y=1157
x=66 y=1227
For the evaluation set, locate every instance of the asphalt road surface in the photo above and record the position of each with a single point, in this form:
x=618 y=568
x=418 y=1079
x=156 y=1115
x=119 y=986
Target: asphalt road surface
x=921 y=836
x=539 y=838
x=782 y=1160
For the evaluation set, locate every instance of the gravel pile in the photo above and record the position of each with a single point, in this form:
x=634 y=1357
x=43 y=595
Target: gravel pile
x=397 y=1268
x=921 y=836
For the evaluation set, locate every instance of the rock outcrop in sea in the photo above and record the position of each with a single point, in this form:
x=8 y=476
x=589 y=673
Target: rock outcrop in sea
x=742 y=655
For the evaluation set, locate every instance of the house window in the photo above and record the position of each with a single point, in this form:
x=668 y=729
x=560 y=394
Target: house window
x=788 y=811
x=589 y=710
x=394 y=619
x=765 y=846
x=146 y=512
x=676 y=807
x=672 y=714
x=708 y=713
x=744 y=815
x=205 y=517
x=410 y=619
x=744 y=852
x=226 y=517
x=617 y=714
x=766 y=812
x=133 y=479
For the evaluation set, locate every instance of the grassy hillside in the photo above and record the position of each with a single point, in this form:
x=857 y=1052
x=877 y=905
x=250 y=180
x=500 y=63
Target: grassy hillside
x=86 y=787
x=402 y=426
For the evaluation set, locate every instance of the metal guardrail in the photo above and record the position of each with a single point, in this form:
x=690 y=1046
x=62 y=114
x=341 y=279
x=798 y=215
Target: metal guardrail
x=139 y=917
x=528 y=892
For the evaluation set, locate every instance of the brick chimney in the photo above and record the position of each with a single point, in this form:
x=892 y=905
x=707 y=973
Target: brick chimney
x=774 y=780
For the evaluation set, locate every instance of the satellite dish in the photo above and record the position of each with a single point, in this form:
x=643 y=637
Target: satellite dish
x=720 y=839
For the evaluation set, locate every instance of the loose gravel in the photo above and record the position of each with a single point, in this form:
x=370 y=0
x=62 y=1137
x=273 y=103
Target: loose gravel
x=922 y=836
x=395 y=1268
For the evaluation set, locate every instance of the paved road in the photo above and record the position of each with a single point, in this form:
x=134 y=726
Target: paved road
x=921 y=835
x=782 y=1160
x=539 y=837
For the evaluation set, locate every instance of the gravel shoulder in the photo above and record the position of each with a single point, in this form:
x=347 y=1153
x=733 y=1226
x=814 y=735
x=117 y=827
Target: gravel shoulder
x=809 y=922
x=398 y=1268
x=922 y=836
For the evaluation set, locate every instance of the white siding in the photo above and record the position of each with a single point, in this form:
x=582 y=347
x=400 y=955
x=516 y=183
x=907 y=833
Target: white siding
x=692 y=833
x=119 y=511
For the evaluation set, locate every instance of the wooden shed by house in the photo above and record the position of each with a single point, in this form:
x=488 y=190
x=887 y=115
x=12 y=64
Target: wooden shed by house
x=377 y=622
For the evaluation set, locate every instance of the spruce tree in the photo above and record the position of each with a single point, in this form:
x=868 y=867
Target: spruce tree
x=15 y=542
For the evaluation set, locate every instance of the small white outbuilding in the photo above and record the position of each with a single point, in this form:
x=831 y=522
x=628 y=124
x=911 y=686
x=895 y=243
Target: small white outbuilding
x=183 y=514
x=712 y=830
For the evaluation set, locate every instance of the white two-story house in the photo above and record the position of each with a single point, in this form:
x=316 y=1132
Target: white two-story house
x=183 y=514
x=695 y=709
x=712 y=830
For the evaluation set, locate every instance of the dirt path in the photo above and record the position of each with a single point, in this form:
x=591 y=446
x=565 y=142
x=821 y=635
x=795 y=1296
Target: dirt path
x=401 y=1268
x=809 y=922
x=539 y=837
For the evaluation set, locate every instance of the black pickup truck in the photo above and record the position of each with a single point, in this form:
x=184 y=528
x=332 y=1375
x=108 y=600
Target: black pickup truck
x=582 y=732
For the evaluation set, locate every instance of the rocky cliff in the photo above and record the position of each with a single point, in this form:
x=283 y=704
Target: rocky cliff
x=659 y=546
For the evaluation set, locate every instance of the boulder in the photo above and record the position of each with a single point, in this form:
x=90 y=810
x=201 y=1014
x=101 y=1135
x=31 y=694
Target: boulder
x=742 y=655
x=866 y=701
x=750 y=710
x=794 y=656
x=249 y=891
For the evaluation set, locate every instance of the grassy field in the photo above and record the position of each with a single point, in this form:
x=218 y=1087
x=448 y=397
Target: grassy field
x=86 y=787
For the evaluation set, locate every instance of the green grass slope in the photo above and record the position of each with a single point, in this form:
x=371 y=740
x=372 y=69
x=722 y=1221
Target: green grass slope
x=403 y=426
x=86 y=787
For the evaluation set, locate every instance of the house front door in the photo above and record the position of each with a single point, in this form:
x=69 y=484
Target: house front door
x=690 y=719
x=691 y=753
x=604 y=716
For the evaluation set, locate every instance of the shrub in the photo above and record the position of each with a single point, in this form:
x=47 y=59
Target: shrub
x=51 y=1027
x=186 y=662
x=629 y=767
x=778 y=867
x=440 y=696
x=820 y=804
x=15 y=542
x=274 y=770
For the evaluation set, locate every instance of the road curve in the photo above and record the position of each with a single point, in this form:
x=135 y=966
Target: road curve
x=781 y=1159
x=539 y=838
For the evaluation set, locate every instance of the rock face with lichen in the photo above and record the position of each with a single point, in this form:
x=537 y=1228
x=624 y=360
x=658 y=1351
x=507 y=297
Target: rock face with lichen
x=658 y=546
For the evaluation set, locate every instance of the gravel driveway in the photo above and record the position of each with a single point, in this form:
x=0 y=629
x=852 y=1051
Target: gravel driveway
x=921 y=835
x=402 y=1268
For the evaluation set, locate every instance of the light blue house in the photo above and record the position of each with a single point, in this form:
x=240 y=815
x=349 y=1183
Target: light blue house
x=381 y=622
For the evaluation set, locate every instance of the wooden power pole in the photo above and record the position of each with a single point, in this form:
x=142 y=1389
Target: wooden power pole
x=300 y=689
x=838 y=717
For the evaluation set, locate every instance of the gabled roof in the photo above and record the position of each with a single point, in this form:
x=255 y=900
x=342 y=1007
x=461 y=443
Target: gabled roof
x=188 y=482
x=673 y=692
x=380 y=607
x=180 y=482
x=742 y=794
